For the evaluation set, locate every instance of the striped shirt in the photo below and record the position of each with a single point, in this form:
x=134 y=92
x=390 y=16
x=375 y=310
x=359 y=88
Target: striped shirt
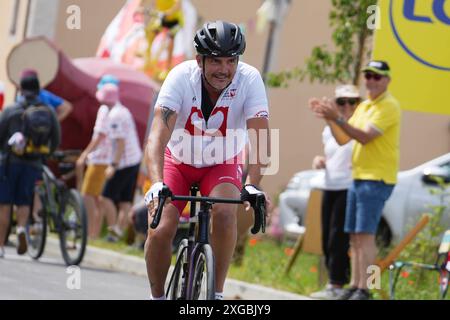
x=122 y=126
x=101 y=155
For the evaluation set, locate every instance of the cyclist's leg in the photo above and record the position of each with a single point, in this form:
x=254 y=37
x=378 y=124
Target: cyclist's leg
x=37 y=205
x=224 y=181
x=23 y=197
x=158 y=246
x=24 y=191
x=224 y=231
x=5 y=218
x=5 y=199
x=158 y=249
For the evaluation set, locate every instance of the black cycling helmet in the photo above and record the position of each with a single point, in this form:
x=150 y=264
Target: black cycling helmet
x=219 y=39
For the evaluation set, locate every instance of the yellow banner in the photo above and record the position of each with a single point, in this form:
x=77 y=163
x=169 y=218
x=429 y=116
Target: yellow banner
x=414 y=38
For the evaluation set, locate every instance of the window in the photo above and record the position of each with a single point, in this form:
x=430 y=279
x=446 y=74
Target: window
x=15 y=17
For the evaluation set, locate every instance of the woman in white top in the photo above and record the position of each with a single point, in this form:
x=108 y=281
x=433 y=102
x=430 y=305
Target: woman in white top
x=337 y=165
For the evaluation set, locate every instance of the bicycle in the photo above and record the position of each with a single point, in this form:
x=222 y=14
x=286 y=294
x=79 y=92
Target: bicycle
x=193 y=276
x=62 y=212
x=441 y=266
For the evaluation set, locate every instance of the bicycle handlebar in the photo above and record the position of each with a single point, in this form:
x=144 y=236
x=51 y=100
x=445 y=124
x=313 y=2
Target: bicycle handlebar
x=60 y=155
x=259 y=207
x=162 y=196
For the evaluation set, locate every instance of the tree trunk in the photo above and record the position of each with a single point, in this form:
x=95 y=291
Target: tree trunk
x=360 y=56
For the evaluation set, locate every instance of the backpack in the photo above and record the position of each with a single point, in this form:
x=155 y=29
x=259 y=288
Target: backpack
x=37 y=127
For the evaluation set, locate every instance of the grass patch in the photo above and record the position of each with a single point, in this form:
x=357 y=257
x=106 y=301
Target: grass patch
x=119 y=247
x=265 y=261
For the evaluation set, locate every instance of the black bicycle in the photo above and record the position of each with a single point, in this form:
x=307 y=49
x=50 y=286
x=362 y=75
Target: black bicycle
x=193 y=276
x=62 y=212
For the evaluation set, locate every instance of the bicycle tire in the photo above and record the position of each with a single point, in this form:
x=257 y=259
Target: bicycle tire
x=36 y=242
x=69 y=227
x=203 y=276
x=444 y=278
x=176 y=290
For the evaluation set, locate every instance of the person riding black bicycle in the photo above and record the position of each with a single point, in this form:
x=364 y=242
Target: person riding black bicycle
x=205 y=110
x=29 y=130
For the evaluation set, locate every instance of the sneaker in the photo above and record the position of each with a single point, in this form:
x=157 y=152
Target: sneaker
x=329 y=293
x=2 y=252
x=360 y=294
x=111 y=238
x=21 y=241
x=115 y=231
x=36 y=229
x=219 y=296
x=346 y=293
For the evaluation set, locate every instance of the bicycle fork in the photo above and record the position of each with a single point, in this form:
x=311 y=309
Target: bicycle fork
x=202 y=239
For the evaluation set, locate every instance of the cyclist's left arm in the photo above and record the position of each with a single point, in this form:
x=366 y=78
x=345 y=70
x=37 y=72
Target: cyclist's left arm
x=259 y=157
x=259 y=139
x=256 y=113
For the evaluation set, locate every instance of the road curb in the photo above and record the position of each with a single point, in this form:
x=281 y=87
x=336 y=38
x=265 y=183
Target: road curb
x=110 y=260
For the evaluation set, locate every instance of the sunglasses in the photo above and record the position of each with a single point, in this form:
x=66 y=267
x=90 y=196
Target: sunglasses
x=374 y=76
x=343 y=101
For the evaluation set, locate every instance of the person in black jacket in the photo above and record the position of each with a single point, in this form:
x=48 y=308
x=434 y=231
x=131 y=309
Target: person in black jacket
x=19 y=172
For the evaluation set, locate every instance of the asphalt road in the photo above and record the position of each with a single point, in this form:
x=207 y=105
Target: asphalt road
x=22 y=278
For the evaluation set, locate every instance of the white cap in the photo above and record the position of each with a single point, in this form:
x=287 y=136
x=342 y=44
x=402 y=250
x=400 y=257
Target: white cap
x=347 y=91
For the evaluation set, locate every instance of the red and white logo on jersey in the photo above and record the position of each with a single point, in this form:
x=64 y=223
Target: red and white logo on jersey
x=217 y=122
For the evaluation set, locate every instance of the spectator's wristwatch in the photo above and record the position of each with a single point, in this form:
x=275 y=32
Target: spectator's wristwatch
x=340 y=120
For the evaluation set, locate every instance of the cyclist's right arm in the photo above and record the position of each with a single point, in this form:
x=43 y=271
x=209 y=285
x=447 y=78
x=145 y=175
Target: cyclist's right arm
x=160 y=133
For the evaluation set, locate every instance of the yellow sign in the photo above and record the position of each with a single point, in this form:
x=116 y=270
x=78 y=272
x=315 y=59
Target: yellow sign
x=414 y=38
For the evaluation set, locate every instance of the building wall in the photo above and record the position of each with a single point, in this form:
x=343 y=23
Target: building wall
x=8 y=39
x=423 y=136
x=95 y=17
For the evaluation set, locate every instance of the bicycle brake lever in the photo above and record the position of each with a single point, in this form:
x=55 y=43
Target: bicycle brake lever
x=259 y=208
x=162 y=196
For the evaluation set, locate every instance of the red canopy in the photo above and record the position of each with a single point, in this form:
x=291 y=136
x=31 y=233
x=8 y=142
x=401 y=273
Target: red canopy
x=76 y=81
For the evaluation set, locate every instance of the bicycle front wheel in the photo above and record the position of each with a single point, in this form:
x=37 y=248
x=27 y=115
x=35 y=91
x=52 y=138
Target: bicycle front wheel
x=203 y=282
x=444 y=277
x=36 y=232
x=73 y=229
x=176 y=289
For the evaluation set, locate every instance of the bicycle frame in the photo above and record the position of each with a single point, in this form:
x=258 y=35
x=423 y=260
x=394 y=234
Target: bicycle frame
x=196 y=241
x=52 y=189
x=71 y=225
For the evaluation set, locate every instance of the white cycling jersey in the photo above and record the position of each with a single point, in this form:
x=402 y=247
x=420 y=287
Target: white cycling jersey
x=224 y=136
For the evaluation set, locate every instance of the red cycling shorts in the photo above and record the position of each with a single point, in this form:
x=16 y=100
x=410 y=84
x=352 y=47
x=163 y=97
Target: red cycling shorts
x=179 y=177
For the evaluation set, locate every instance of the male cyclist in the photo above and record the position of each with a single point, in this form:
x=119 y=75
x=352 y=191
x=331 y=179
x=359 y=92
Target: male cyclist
x=203 y=113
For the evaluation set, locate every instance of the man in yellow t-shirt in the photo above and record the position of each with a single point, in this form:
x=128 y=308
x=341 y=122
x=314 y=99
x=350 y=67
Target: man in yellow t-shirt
x=375 y=127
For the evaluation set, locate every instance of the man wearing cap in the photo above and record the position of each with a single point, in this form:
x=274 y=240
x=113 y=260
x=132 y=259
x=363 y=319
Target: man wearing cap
x=18 y=174
x=338 y=178
x=113 y=156
x=122 y=172
x=375 y=127
x=97 y=157
x=61 y=106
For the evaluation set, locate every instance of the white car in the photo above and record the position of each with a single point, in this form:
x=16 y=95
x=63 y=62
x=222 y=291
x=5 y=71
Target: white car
x=409 y=200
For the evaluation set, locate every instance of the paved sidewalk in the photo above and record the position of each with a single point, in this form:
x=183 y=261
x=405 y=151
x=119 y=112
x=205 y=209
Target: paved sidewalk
x=107 y=259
